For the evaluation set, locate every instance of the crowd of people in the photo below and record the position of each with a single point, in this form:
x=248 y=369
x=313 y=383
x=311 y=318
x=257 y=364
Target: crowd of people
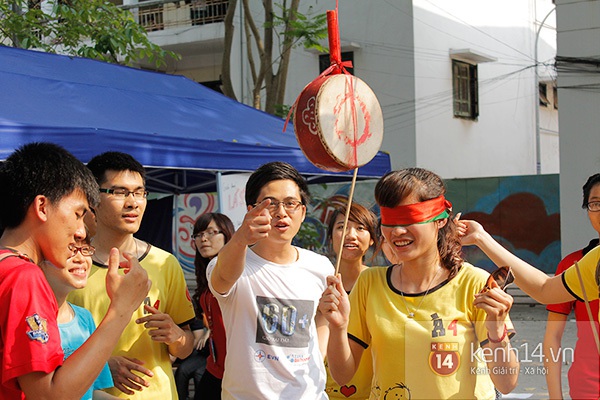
x=94 y=312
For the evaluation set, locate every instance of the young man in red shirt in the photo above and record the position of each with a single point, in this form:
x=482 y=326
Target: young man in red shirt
x=44 y=194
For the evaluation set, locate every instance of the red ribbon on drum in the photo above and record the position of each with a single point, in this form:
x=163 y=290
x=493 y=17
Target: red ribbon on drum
x=337 y=119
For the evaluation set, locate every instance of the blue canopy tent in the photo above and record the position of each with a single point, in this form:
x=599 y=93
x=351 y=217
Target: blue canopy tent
x=181 y=131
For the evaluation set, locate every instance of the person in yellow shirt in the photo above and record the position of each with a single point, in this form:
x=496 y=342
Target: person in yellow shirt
x=361 y=235
x=431 y=334
x=140 y=364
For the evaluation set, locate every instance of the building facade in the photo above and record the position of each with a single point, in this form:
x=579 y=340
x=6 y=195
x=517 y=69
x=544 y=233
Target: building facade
x=467 y=88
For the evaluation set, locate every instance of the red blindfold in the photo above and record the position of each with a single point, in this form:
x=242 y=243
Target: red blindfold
x=424 y=211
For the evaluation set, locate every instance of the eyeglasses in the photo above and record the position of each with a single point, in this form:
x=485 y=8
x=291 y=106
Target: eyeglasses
x=503 y=276
x=121 y=193
x=593 y=206
x=291 y=206
x=209 y=234
x=85 y=250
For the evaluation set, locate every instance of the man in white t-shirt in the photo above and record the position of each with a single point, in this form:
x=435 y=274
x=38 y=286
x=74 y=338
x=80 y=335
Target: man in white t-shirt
x=269 y=291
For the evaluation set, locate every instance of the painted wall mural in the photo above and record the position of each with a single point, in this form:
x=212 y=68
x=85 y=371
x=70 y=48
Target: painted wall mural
x=187 y=209
x=521 y=212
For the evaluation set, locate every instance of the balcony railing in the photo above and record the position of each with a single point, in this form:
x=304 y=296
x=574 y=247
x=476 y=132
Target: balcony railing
x=181 y=13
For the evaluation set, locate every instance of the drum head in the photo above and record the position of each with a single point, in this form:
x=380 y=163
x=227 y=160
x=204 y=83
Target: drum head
x=350 y=120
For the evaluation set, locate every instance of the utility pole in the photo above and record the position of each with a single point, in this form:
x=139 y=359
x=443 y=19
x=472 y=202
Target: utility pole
x=538 y=141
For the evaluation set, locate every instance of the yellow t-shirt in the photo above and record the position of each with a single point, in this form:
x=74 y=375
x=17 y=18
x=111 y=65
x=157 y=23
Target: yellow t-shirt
x=359 y=387
x=170 y=291
x=589 y=266
x=433 y=355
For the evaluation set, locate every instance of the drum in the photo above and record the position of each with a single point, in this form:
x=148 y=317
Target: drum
x=338 y=122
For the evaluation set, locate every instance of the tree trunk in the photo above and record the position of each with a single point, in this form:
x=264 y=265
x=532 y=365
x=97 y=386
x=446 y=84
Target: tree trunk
x=17 y=9
x=226 y=61
x=267 y=58
x=275 y=92
x=285 y=58
x=266 y=50
x=252 y=32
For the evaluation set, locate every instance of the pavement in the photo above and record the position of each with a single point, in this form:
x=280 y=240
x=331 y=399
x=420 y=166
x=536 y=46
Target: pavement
x=529 y=320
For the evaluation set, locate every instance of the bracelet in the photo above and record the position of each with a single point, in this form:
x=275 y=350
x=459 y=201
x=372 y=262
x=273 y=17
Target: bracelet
x=501 y=337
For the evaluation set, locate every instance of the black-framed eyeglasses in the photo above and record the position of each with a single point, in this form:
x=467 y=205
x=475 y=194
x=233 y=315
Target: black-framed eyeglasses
x=86 y=250
x=209 y=234
x=503 y=276
x=122 y=193
x=290 y=206
x=593 y=206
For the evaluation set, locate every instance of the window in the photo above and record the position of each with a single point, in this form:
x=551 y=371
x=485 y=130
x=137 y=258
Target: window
x=543 y=93
x=465 y=91
x=324 y=61
x=555 y=97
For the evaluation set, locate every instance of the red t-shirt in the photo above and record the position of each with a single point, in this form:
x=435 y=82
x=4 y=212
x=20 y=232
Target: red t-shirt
x=215 y=362
x=584 y=374
x=30 y=339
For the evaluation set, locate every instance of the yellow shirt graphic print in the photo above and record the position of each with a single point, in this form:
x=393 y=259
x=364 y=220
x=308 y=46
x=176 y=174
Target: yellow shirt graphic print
x=433 y=355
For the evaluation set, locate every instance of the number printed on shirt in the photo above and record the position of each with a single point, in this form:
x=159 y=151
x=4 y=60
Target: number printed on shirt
x=284 y=322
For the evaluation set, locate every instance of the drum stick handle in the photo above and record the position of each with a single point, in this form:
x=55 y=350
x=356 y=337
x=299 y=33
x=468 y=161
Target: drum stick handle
x=587 y=307
x=346 y=218
x=333 y=31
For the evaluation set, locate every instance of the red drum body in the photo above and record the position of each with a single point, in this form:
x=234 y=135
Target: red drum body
x=338 y=122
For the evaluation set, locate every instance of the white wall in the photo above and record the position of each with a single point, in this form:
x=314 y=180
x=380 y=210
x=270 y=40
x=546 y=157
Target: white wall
x=502 y=140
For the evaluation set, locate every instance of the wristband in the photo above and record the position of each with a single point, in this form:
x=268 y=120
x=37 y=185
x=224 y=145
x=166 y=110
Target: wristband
x=501 y=337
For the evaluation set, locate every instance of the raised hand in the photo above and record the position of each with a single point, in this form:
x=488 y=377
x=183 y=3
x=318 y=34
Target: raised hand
x=334 y=304
x=256 y=224
x=129 y=290
x=232 y=257
x=496 y=303
x=469 y=231
x=461 y=227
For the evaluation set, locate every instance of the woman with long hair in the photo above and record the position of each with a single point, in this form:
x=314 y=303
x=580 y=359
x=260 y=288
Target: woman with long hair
x=211 y=232
x=437 y=327
x=361 y=235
